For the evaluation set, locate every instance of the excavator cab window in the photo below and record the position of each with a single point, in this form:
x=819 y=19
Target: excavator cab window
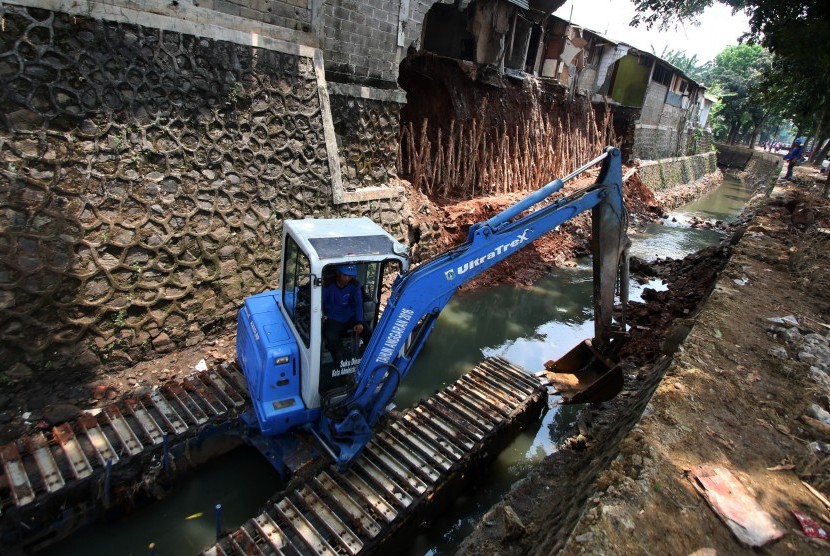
x=296 y=293
x=351 y=295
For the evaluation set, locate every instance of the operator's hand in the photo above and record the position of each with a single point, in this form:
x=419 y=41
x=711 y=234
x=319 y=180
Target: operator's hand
x=358 y=328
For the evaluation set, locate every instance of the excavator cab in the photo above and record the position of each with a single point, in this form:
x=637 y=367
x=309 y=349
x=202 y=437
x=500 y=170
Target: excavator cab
x=285 y=343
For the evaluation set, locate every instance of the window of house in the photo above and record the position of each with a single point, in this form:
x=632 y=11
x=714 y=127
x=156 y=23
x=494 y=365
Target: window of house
x=662 y=74
x=594 y=52
x=679 y=85
x=519 y=38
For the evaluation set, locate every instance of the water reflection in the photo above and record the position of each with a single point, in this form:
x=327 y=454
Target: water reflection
x=184 y=522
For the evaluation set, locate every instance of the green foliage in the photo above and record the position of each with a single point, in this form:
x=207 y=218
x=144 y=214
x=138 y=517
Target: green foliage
x=735 y=75
x=716 y=122
x=120 y=319
x=685 y=63
x=792 y=83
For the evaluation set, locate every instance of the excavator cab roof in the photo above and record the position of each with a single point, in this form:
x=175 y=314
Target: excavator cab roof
x=336 y=238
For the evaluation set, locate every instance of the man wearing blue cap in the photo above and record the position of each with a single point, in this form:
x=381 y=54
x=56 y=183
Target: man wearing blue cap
x=342 y=309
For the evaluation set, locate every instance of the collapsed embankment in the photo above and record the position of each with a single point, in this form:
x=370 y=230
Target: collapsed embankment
x=650 y=189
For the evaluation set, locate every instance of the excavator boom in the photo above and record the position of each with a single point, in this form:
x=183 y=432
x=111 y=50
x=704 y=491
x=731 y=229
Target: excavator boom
x=349 y=413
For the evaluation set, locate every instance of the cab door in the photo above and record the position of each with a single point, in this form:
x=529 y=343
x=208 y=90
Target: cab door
x=297 y=297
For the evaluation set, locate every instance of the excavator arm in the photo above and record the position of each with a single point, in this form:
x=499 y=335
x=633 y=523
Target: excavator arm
x=418 y=296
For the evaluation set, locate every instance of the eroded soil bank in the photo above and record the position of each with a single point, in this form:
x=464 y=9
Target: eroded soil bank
x=740 y=392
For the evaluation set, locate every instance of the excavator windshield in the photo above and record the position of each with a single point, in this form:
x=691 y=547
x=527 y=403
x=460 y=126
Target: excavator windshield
x=351 y=304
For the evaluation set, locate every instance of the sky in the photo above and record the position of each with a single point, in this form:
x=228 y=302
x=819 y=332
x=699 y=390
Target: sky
x=718 y=29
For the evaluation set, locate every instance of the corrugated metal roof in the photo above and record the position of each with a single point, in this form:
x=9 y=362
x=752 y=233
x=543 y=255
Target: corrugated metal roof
x=521 y=3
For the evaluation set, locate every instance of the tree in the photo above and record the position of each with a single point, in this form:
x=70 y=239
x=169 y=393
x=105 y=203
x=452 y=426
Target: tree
x=682 y=61
x=737 y=70
x=716 y=122
x=796 y=32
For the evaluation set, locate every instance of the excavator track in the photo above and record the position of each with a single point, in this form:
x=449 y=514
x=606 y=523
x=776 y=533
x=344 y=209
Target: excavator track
x=415 y=458
x=57 y=480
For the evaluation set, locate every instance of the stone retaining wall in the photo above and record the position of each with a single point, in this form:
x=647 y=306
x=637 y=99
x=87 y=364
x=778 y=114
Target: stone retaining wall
x=669 y=172
x=762 y=170
x=145 y=171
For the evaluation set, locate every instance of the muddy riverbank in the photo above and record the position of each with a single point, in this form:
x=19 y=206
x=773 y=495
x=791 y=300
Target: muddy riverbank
x=740 y=392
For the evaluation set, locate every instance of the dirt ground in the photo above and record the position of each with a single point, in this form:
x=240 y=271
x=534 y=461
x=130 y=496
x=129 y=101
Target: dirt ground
x=741 y=392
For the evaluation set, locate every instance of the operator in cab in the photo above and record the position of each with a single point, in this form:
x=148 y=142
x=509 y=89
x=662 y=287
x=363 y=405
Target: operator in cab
x=342 y=309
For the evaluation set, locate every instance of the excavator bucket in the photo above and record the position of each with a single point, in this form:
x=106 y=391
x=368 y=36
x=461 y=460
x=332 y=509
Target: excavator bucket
x=583 y=375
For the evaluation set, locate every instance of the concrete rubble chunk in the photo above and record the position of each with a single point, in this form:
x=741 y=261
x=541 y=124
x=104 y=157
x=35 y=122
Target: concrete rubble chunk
x=788 y=320
x=819 y=413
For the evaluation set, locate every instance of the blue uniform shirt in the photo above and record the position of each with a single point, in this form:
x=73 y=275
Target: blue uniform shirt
x=343 y=304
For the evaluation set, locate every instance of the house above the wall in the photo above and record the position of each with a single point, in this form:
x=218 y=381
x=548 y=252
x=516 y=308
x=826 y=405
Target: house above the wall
x=669 y=104
x=658 y=106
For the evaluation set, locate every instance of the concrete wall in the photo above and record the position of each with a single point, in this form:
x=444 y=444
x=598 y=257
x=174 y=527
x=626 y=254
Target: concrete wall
x=733 y=156
x=147 y=161
x=668 y=172
x=761 y=169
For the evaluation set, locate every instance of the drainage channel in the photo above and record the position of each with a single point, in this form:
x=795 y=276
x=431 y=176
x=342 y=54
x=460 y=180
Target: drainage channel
x=53 y=482
x=416 y=460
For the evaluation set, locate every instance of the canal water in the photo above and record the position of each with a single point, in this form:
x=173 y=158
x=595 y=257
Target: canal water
x=526 y=326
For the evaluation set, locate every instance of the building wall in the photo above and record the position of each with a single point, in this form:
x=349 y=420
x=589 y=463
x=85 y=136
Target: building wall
x=662 y=130
x=289 y=14
x=654 y=106
x=147 y=163
x=630 y=82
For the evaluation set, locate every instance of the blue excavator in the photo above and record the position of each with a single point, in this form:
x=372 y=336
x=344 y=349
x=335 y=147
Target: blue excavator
x=338 y=386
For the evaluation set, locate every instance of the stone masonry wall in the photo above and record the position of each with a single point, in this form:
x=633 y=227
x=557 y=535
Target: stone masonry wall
x=367 y=132
x=144 y=176
x=763 y=170
x=733 y=156
x=660 y=174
